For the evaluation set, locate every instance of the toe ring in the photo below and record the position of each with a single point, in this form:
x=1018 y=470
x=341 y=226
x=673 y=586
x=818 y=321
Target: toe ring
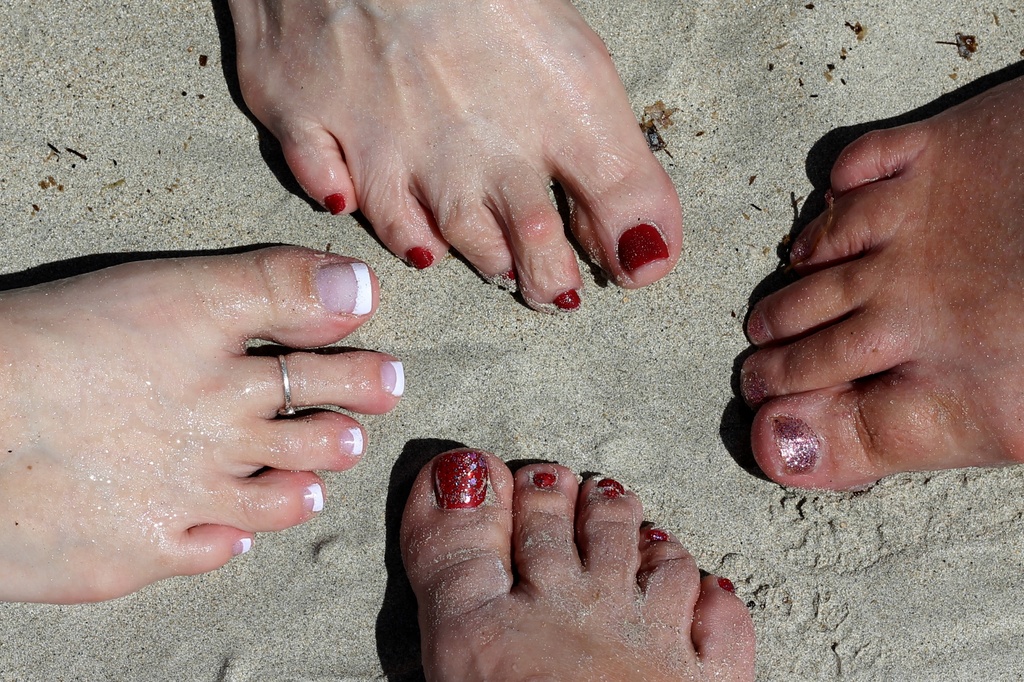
x=287 y=410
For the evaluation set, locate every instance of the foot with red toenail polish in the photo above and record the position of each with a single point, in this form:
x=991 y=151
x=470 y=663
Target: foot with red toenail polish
x=469 y=172
x=178 y=457
x=900 y=347
x=543 y=578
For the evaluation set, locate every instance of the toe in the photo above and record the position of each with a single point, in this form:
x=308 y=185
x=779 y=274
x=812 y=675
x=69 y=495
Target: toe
x=877 y=155
x=273 y=500
x=543 y=537
x=862 y=345
x=318 y=163
x=818 y=299
x=669 y=580
x=296 y=297
x=456 y=534
x=472 y=230
x=206 y=548
x=400 y=220
x=360 y=381
x=851 y=435
x=607 y=524
x=545 y=263
x=723 y=632
x=321 y=441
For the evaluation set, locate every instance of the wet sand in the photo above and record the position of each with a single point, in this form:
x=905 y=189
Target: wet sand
x=916 y=579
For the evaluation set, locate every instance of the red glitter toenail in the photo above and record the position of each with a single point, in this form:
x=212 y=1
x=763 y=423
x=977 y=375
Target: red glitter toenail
x=570 y=300
x=419 y=257
x=611 y=488
x=656 y=535
x=641 y=245
x=726 y=585
x=335 y=203
x=511 y=274
x=460 y=480
x=544 y=479
x=753 y=388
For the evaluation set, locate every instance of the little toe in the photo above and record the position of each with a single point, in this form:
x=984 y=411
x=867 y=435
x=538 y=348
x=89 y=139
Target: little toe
x=208 y=547
x=544 y=532
x=864 y=344
x=851 y=435
x=877 y=155
x=318 y=163
x=608 y=521
x=723 y=632
x=456 y=535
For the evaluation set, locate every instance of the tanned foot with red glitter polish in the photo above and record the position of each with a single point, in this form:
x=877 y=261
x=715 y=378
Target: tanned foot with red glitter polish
x=902 y=346
x=463 y=153
x=534 y=576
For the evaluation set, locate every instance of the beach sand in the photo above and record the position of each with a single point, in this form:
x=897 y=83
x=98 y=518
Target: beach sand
x=916 y=579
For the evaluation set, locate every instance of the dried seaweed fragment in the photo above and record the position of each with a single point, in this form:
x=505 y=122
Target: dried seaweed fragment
x=965 y=45
x=657 y=115
x=858 y=29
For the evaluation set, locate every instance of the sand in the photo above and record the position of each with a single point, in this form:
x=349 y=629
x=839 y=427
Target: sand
x=917 y=579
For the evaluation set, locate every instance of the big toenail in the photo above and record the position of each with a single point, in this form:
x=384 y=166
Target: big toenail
x=352 y=441
x=313 y=500
x=345 y=288
x=392 y=378
x=726 y=585
x=335 y=203
x=570 y=300
x=798 y=445
x=641 y=245
x=460 y=480
x=611 y=488
x=241 y=546
x=544 y=479
x=419 y=257
x=656 y=535
x=753 y=387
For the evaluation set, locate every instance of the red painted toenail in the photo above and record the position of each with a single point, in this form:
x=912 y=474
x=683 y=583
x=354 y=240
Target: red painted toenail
x=511 y=274
x=656 y=535
x=611 y=488
x=641 y=245
x=335 y=203
x=460 y=480
x=726 y=585
x=544 y=479
x=753 y=388
x=798 y=445
x=757 y=331
x=419 y=257
x=570 y=300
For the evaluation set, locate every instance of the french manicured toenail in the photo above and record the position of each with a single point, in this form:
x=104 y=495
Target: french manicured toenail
x=656 y=535
x=313 y=499
x=352 y=441
x=241 y=546
x=392 y=378
x=419 y=257
x=345 y=288
x=641 y=245
x=544 y=479
x=460 y=480
x=757 y=331
x=753 y=387
x=726 y=585
x=570 y=300
x=798 y=445
x=335 y=203
x=611 y=488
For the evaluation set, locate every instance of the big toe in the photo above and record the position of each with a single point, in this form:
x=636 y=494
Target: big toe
x=455 y=536
x=851 y=435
